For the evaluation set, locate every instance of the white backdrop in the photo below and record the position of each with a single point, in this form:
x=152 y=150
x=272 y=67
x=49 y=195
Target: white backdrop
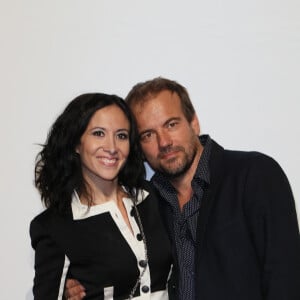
x=240 y=61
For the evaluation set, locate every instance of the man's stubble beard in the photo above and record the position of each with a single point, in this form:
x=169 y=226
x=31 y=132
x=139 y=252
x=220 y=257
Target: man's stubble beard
x=185 y=163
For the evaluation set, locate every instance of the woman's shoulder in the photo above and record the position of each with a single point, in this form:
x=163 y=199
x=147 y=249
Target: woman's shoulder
x=47 y=224
x=43 y=216
x=148 y=186
x=47 y=217
x=148 y=195
x=39 y=226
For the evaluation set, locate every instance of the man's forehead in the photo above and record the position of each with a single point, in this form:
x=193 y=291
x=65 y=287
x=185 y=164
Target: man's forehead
x=139 y=104
x=157 y=112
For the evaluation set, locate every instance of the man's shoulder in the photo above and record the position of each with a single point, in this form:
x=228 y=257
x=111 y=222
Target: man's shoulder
x=245 y=155
x=254 y=162
x=240 y=155
x=240 y=158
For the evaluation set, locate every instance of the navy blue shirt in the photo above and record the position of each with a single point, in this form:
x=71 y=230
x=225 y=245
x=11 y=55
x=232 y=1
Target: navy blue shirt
x=184 y=222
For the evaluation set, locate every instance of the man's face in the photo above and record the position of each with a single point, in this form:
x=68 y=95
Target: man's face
x=169 y=142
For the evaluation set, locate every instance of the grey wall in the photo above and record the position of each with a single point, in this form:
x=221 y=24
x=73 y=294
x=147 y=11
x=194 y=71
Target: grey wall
x=240 y=60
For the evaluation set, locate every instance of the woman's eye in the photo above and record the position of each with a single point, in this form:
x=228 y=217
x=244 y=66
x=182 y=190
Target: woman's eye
x=98 y=133
x=123 y=136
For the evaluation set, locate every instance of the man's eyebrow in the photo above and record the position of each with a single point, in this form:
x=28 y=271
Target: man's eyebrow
x=145 y=131
x=172 y=119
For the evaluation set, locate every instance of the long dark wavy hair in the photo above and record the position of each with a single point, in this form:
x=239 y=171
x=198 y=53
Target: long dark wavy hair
x=58 y=170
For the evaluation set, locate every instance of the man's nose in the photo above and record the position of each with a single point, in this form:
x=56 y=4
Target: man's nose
x=164 y=139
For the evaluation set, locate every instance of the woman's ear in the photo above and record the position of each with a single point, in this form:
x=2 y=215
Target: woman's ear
x=77 y=150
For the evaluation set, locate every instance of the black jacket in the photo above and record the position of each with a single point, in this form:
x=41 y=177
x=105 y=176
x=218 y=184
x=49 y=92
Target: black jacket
x=248 y=244
x=94 y=251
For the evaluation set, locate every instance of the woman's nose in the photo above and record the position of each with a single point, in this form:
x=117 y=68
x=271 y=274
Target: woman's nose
x=110 y=145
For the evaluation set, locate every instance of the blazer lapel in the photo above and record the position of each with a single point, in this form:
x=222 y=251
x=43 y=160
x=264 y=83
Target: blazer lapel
x=216 y=173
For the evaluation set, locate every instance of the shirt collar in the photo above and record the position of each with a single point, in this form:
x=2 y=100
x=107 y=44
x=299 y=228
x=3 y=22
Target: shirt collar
x=81 y=211
x=202 y=171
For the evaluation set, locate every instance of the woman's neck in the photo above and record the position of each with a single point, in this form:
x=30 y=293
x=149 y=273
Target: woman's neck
x=101 y=190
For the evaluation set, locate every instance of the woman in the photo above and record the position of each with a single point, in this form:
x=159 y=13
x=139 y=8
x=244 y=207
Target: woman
x=102 y=224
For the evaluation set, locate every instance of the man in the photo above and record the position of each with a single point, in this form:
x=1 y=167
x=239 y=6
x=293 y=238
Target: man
x=230 y=215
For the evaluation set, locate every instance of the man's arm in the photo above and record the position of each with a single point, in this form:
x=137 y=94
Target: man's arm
x=270 y=208
x=74 y=290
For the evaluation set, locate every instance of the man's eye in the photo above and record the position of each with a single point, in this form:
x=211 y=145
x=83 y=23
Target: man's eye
x=146 y=136
x=98 y=133
x=172 y=124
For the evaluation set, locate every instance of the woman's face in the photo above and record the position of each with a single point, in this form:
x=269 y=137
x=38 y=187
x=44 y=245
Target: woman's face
x=104 y=146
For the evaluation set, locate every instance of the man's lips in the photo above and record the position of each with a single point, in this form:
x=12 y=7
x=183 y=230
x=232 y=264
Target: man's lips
x=169 y=154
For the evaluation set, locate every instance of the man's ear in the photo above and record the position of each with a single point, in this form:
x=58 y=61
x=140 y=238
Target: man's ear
x=195 y=124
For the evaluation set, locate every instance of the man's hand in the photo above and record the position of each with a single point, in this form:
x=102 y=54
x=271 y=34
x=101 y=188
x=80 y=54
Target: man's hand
x=74 y=290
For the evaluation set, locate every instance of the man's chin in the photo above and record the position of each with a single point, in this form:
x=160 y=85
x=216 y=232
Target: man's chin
x=172 y=172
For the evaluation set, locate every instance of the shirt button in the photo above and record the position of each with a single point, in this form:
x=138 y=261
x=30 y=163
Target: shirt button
x=143 y=263
x=139 y=237
x=145 y=289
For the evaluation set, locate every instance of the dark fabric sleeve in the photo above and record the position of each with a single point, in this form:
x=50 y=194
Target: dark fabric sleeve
x=49 y=263
x=272 y=219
